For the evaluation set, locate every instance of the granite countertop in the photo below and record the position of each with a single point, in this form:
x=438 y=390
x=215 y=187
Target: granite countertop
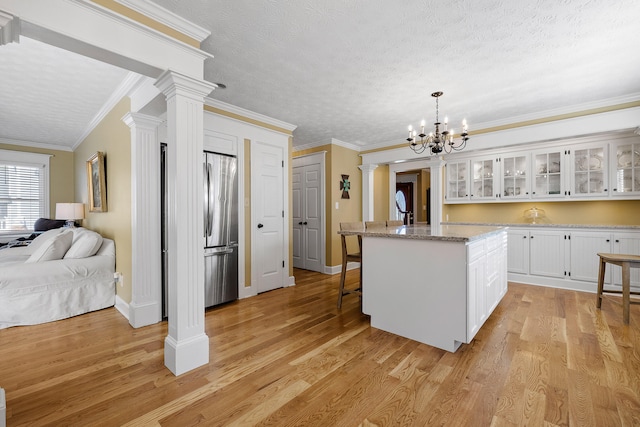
x=449 y=233
x=546 y=225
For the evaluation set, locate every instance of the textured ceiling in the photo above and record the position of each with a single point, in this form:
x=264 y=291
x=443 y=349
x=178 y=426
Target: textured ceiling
x=361 y=71
x=50 y=95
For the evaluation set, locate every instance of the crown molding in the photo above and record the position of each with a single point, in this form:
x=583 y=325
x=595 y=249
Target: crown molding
x=572 y=109
x=33 y=144
x=168 y=18
x=121 y=19
x=9 y=28
x=214 y=103
x=131 y=81
x=348 y=145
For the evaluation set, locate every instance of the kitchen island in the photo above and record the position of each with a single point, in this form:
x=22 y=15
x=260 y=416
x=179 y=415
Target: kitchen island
x=435 y=285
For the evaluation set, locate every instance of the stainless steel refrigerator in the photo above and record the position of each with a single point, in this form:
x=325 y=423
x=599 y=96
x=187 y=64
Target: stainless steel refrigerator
x=220 y=228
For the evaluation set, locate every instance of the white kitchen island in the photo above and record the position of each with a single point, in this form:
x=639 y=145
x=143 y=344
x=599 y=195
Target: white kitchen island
x=435 y=285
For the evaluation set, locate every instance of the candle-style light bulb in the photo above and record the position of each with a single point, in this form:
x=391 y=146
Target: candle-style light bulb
x=464 y=125
x=422 y=123
x=446 y=122
x=410 y=129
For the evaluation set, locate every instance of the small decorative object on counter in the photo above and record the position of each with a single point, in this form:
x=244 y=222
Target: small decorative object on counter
x=534 y=215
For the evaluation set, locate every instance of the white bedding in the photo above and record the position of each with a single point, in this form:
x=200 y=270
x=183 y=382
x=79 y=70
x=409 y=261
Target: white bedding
x=45 y=291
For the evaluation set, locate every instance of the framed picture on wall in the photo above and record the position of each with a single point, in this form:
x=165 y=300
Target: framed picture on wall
x=97 y=183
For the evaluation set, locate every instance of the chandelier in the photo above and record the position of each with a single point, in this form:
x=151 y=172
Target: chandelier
x=438 y=141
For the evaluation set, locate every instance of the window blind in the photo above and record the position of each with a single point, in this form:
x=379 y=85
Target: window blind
x=21 y=196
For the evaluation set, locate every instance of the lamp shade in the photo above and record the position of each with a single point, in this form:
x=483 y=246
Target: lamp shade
x=70 y=211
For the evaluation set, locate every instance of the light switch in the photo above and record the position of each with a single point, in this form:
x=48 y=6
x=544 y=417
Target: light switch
x=337 y=205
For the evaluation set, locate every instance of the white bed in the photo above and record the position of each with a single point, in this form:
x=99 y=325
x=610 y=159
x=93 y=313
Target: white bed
x=41 y=289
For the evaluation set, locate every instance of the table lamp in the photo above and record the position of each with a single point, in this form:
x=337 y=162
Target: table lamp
x=70 y=212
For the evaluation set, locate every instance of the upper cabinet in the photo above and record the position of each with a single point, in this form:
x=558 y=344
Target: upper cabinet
x=625 y=168
x=582 y=169
x=589 y=166
x=515 y=175
x=548 y=170
x=457 y=174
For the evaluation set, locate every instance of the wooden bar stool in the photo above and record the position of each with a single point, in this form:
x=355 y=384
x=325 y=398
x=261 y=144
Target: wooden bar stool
x=395 y=223
x=375 y=224
x=350 y=257
x=627 y=262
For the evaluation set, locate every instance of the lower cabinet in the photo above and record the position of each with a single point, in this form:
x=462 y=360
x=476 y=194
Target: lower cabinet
x=567 y=257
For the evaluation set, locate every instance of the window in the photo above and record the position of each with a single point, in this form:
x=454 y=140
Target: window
x=24 y=190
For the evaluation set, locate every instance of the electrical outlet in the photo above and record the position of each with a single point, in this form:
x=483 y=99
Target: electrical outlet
x=117 y=276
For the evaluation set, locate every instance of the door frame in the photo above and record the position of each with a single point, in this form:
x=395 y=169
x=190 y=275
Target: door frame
x=436 y=167
x=311 y=159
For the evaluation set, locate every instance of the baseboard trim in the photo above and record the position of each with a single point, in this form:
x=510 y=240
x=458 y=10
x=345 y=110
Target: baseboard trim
x=122 y=306
x=336 y=269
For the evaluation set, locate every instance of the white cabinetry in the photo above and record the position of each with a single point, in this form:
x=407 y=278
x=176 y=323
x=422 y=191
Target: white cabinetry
x=548 y=172
x=477 y=276
x=581 y=169
x=567 y=257
x=457 y=174
x=547 y=253
x=515 y=171
x=625 y=167
x=483 y=183
x=588 y=167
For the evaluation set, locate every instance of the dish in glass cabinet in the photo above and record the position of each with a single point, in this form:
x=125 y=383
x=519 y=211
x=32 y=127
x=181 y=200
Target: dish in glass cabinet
x=542 y=168
x=593 y=162
x=624 y=159
x=555 y=167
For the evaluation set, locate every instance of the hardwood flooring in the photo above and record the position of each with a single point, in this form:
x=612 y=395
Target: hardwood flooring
x=289 y=357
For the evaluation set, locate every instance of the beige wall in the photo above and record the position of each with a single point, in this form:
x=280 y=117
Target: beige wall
x=339 y=161
x=381 y=193
x=605 y=212
x=61 y=174
x=113 y=138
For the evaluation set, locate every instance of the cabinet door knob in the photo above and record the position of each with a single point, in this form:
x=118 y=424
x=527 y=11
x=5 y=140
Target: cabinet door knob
x=260 y=225
x=617 y=241
x=524 y=237
x=300 y=223
x=305 y=223
x=608 y=240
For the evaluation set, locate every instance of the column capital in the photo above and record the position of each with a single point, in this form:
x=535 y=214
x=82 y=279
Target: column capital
x=141 y=120
x=170 y=82
x=9 y=28
x=368 y=167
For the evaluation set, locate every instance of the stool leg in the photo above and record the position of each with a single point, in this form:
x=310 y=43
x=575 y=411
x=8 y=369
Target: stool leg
x=626 y=290
x=343 y=274
x=603 y=266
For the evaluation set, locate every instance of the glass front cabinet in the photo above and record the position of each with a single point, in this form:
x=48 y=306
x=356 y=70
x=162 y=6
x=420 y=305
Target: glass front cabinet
x=588 y=171
x=483 y=186
x=515 y=172
x=625 y=168
x=548 y=172
x=589 y=168
x=457 y=179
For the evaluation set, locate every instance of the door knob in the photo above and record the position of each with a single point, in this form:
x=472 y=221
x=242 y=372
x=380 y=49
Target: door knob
x=260 y=225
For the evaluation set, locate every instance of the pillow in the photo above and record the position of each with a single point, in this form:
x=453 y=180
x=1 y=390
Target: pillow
x=85 y=244
x=44 y=224
x=52 y=249
x=43 y=238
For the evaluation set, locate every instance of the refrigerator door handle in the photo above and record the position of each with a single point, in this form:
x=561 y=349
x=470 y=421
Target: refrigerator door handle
x=220 y=252
x=210 y=215
x=205 y=172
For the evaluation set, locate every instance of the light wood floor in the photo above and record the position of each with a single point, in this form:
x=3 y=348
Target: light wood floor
x=290 y=358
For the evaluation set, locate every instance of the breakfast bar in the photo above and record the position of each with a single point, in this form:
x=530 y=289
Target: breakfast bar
x=433 y=284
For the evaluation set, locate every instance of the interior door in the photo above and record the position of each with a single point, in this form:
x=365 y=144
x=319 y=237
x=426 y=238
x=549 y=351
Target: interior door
x=404 y=202
x=297 y=214
x=268 y=221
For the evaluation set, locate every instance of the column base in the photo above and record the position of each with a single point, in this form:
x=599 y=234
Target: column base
x=144 y=314
x=185 y=355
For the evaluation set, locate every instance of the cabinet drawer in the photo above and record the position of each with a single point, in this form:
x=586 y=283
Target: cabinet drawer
x=476 y=250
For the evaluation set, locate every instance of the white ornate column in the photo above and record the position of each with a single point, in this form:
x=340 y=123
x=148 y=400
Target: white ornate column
x=186 y=345
x=367 y=191
x=145 y=307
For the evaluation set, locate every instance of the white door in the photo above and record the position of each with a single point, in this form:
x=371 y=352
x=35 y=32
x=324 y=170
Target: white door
x=547 y=250
x=585 y=246
x=308 y=208
x=312 y=220
x=267 y=190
